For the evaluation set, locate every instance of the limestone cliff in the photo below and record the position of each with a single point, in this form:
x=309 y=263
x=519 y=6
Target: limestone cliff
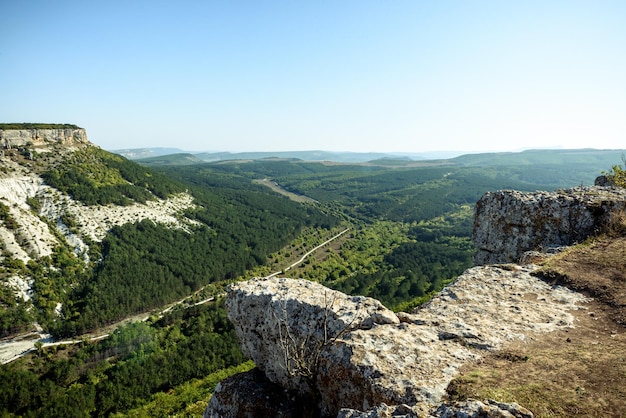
x=12 y=138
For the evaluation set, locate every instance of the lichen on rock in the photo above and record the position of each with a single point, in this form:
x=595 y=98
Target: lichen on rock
x=284 y=325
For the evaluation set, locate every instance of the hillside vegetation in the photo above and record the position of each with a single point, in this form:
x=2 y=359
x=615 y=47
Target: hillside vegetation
x=94 y=176
x=12 y=126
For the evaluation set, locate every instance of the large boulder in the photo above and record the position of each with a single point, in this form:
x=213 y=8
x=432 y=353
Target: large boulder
x=509 y=223
x=284 y=325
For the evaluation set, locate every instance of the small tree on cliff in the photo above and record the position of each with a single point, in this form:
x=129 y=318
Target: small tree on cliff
x=617 y=174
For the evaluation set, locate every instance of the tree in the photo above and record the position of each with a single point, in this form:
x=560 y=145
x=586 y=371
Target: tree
x=617 y=174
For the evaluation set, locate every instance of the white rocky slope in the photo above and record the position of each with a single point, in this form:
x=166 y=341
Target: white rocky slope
x=34 y=237
x=33 y=234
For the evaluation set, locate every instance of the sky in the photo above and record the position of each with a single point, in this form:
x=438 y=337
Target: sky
x=409 y=76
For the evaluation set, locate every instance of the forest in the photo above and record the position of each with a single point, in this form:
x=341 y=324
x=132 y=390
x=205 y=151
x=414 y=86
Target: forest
x=409 y=235
x=10 y=126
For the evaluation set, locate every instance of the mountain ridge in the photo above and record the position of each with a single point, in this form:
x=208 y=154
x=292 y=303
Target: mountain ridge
x=565 y=156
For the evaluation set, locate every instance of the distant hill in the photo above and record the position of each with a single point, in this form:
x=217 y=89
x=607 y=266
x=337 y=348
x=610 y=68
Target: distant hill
x=171 y=159
x=584 y=157
x=149 y=154
x=138 y=153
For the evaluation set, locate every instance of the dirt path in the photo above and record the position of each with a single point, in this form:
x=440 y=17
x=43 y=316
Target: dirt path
x=14 y=348
x=301 y=260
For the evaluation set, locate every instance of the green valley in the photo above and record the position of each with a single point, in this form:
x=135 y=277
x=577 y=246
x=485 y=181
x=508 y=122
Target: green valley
x=409 y=233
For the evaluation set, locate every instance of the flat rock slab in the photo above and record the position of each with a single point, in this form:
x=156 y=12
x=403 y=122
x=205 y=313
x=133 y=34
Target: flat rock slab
x=413 y=362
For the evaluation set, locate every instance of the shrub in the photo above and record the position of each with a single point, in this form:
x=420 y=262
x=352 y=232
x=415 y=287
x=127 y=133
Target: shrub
x=617 y=174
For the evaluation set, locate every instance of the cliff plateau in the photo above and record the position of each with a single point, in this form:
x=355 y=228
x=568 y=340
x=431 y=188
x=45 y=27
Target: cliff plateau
x=13 y=138
x=365 y=367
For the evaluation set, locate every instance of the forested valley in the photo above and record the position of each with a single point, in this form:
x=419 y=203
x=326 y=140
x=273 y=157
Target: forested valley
x=409 y=235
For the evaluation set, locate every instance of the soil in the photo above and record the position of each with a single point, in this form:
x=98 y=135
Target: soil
x=580 y=371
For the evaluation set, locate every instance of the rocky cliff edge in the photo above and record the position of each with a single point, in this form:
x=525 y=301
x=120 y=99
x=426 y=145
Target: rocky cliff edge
x=507 y=224
x=322 y=353
x=13 y=138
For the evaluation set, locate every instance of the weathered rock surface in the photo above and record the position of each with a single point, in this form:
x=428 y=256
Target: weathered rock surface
x=468 y=409
x=284 y=325
x=414 y=362
x=509 y=223
x=19 y=137
x=478 y=409
x=377 y=360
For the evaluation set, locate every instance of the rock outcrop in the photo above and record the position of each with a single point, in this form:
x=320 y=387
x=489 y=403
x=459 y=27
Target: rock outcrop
x=509 y=223
x=284 y=325
x=11 y=138
x=368 y=357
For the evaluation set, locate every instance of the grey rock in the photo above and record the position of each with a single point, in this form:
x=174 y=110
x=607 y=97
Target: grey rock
x=477 y=409
x=12 y=138
x=284 y=325
x=384 y=411
x=509 y=223
x=603 y=181
x=392 y=362
x=468 y=409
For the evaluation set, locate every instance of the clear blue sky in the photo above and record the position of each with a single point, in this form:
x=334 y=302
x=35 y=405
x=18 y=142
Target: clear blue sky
x=362 y=75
